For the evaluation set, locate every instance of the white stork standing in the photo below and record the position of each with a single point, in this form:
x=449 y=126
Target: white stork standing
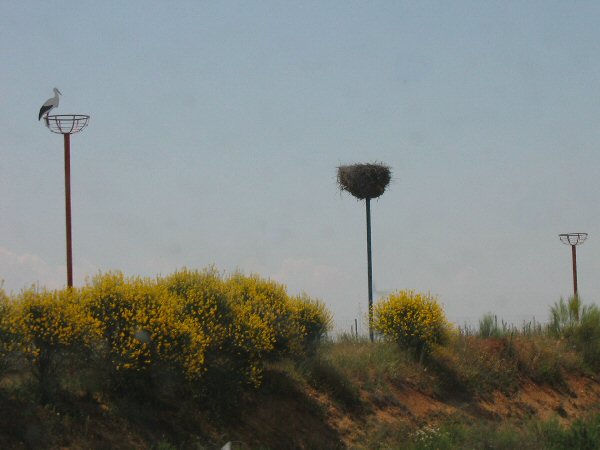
x=49 y=104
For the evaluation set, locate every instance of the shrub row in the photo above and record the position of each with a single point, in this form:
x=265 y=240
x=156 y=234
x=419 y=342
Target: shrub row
x=193 y=324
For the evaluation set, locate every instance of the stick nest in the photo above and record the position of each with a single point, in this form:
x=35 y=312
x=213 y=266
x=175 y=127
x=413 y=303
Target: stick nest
x=364 y=180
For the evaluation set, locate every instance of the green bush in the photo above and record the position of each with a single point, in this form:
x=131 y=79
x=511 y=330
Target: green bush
x=545 y=359
x=580 y=326
x=488 y=326
x=324 y=375
x=586 y=337
x=474 y=366
x=565 y=316
x=583 y=434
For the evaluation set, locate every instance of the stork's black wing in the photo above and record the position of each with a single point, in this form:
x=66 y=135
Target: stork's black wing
x=44 y=109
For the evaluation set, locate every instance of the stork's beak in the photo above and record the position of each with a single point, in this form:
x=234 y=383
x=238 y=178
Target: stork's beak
x=58 y=91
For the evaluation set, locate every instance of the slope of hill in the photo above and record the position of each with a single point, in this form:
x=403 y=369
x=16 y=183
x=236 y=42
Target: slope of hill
x=349 y=395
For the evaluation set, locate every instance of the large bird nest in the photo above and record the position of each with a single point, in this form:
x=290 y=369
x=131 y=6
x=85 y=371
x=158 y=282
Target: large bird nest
x=364 y=180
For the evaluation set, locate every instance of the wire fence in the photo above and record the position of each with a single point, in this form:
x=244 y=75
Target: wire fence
x=359 y=326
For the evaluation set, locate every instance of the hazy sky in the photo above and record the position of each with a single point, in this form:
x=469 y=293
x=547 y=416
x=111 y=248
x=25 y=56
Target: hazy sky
x=216 y=129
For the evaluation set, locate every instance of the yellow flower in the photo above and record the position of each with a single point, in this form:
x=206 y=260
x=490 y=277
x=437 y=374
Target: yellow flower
x=414 y=320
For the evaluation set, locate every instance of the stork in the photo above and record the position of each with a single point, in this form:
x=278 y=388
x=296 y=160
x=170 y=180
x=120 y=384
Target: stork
x=49 y=104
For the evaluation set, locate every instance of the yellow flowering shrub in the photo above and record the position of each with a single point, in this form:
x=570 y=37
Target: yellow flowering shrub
x=8 y=338
x=48 y=323
x=202 y=303
x=413 y=320
x=211 y=330
x=312 y=321
x=261 y=326
x=144 y=326
x=176 y=339
x=121 y=306
x=247 y=318
x=202 y=296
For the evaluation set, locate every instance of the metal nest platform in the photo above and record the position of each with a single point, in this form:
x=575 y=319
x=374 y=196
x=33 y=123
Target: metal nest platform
x=573 y=238
x=67 y=123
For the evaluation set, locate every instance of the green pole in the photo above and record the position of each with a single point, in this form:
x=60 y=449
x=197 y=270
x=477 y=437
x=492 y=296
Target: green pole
x=370 y=268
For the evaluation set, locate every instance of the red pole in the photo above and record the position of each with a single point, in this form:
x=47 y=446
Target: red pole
x=574 y=254
x=68 y=208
